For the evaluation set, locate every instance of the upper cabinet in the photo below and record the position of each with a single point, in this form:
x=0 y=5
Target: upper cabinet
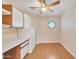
x=12 y=16
x=17 y=17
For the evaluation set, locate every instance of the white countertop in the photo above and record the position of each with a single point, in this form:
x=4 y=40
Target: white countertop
x=11 y=43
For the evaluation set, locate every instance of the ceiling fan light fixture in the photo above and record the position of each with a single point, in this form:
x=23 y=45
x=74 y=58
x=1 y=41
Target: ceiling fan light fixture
x=44 y=9
x=43 y=5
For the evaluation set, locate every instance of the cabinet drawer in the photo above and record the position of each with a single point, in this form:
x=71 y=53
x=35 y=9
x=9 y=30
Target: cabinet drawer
x=24 y=43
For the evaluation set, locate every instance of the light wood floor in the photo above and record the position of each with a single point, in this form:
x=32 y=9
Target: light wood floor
x=49 y=51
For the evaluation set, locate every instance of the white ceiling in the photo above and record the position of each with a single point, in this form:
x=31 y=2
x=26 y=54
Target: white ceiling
x=24 y=5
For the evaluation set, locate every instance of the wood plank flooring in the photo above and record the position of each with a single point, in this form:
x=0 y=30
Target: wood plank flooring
x=49 y=51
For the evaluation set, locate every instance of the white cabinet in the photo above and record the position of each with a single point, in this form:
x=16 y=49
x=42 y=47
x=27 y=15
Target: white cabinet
x=29 y=33
x=32 y=42
x=17 y=18
x=27 y=21
x=24 y=49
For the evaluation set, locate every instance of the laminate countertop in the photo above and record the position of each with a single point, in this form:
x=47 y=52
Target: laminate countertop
x=11 y=43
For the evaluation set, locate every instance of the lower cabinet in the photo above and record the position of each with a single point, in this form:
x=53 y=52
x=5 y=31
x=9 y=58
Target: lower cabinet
x=14 y=53
x=24 y=49
x=32 y=42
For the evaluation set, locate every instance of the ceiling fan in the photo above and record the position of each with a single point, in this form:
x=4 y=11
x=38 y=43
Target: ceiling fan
x=44 y=6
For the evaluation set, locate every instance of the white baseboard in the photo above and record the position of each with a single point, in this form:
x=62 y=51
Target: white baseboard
x=68 y=50
x=48 y=42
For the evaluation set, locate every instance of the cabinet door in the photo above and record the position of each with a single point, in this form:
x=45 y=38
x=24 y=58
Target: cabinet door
x=27 y=21
x=24 y=49
x=17 y=18
x=32 y=43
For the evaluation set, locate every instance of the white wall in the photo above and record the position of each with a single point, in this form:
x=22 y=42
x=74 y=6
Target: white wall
x=44 y=34
x=68 y=30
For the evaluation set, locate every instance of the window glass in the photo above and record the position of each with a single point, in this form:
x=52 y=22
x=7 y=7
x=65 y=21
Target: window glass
x=51 y=24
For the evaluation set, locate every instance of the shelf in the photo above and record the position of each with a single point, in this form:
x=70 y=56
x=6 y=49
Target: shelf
x=5 y=26
x=5 y=12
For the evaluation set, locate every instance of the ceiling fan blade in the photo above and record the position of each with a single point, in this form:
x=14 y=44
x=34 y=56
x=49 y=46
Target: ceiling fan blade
x=43 y=2
x=51 y=10
x=33 y=7
x=52 y=4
